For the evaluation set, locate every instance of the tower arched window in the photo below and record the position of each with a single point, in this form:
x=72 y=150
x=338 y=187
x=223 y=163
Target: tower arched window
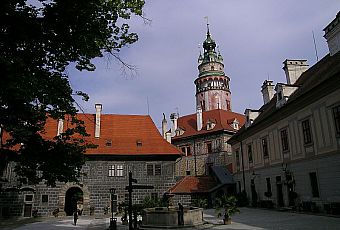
x=212 y=67
x=228 y=105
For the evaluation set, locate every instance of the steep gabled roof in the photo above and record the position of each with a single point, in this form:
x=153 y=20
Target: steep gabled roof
x=222 y=118
x=126 y=135
x=313 y=84
x=223 y=175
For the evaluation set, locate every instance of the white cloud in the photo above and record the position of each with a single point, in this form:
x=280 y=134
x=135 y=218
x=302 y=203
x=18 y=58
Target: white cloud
x=254 y=38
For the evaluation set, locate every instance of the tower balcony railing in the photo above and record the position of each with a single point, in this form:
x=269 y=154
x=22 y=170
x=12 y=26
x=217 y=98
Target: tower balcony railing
x=202 y=89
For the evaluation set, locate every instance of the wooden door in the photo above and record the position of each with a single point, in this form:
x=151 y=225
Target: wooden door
x=27 y=210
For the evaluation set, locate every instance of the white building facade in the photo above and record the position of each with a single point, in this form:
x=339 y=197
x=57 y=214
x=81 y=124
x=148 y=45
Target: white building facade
x=288 y=153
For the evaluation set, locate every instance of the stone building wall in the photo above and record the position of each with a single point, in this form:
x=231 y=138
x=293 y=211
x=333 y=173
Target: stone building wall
x=184 y=199
x=220 y=155
x=95 y=185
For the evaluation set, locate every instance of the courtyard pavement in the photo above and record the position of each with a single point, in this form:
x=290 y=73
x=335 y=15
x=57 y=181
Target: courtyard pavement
x=248 y=219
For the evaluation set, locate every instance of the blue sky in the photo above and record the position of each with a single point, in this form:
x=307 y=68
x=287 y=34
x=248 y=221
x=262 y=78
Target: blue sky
x=254 y=37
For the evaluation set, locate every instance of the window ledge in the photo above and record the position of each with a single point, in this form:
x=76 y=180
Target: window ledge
x=308 y=145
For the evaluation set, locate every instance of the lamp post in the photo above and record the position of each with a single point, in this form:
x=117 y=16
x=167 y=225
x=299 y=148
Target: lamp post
x=113 y=221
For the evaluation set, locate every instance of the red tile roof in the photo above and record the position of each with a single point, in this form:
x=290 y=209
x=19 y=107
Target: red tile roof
x=192 y=184
x=222 y=118
x=123 y=131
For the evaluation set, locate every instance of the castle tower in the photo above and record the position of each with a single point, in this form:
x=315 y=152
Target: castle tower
x=212 y=85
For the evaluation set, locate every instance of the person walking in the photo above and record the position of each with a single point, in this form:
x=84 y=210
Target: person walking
x=180 y=214
x=75 y=217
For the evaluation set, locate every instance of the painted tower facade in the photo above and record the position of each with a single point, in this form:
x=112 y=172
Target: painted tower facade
x=212 y=85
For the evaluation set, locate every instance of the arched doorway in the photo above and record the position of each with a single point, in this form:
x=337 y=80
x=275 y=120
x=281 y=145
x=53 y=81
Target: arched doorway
x=73 y=199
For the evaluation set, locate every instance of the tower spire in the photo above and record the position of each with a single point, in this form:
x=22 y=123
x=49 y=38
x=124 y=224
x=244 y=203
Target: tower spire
x=212 y=85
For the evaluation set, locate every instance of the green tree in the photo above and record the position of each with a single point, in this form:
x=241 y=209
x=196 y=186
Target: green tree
x=39 y=39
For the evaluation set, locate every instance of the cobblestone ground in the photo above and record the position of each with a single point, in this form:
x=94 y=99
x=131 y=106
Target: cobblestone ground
x=256 y=219
x=248 y=219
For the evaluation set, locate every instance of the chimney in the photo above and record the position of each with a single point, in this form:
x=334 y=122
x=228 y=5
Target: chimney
x=173 y=118
x=332 y=35
x=251 y=115
x=199 y=118
x=293 y=69
x=60 y=127
x=164 y=126
x=267 y=91
x=168 y=137
x=98 y=113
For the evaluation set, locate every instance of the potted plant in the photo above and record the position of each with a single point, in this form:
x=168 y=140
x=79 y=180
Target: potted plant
x=122 y=210
x=226 y=207
x=55 y=212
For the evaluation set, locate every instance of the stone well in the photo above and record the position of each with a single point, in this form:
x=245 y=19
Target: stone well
x=164 y=217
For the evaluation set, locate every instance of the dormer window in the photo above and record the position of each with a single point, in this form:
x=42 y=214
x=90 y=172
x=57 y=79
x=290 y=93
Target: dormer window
x=210 y=125
x=235 y=124
x=179 y=132
x=283 y=92
x=139 y=143
x=251 y=115
x=108 y=143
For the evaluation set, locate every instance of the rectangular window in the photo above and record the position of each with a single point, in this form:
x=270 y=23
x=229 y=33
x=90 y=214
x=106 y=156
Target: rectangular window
x=209 y=147
x=269 y=186
x=115 y=170
x=28 y=198
x=44 y=198
x=119 y=170
x=188 y=151
x=265 y=148
x=307 y=135
x=250 y=153
x=149 y=170
x=314 y=184
x=111 y=170
x=158 y=170
x=284 y=140
x=237 y=154
x=336 y=115
x=183 y=150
